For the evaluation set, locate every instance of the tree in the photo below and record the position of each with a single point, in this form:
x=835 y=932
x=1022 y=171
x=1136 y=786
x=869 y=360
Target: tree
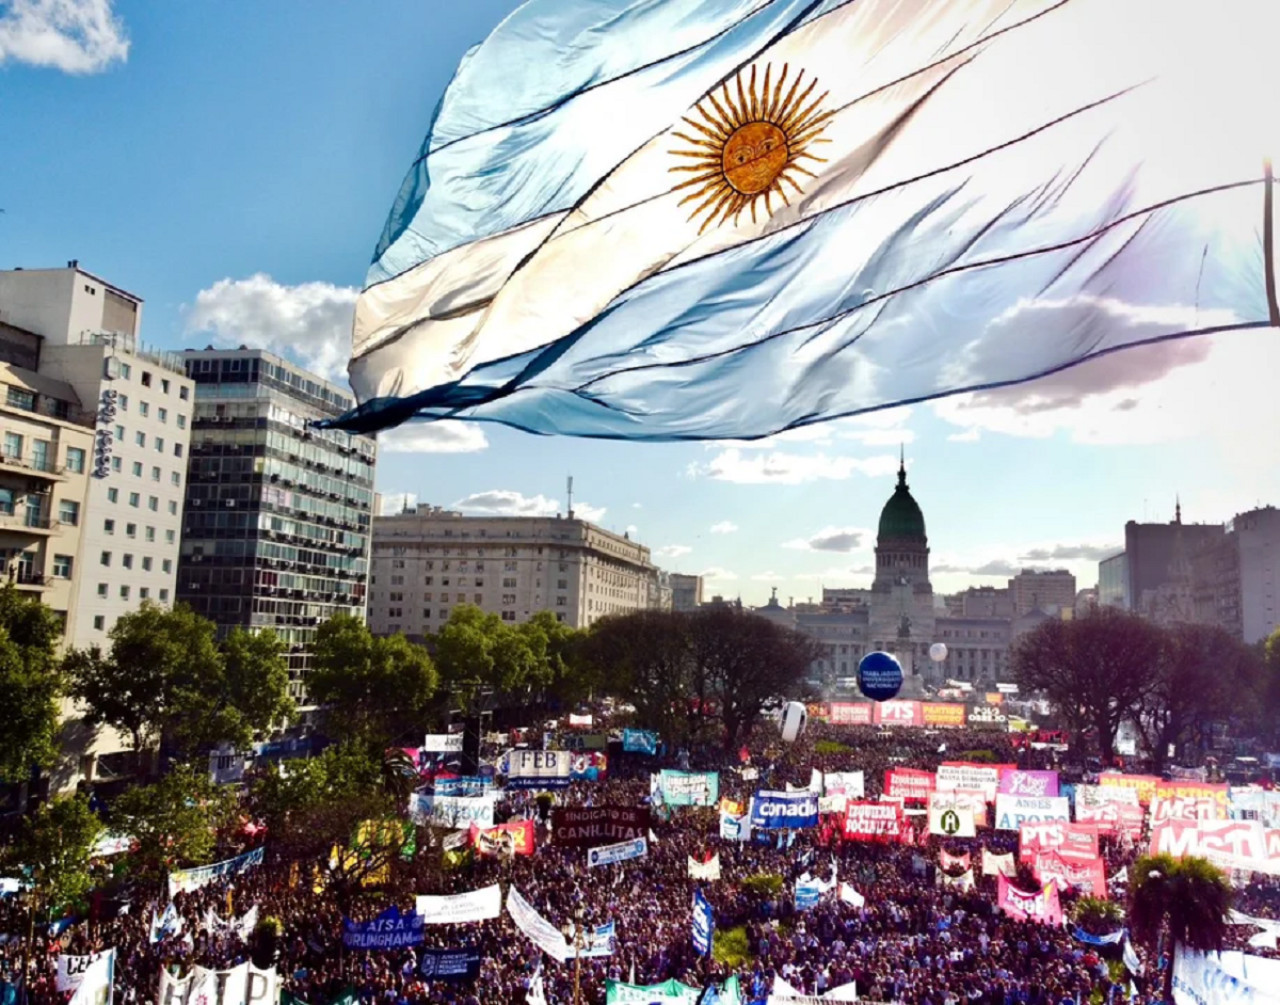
x=1269 y=685
x=372 y=688
x=1096 y=669
x=645 y=657
x=1203 y=674
x=566 y=676
x=55 y=845
x=166 y=676
x=478 y=651
x=31 y=684
x=747 y=662
x=1188 y=899
x=174 y=821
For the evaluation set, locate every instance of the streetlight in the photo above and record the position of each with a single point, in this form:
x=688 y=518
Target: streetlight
x=575 y=934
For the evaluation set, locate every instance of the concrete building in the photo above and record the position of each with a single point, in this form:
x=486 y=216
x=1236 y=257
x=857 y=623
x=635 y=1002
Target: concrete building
x=425 y=562
x=278 y=514
x=1113 y=582
x=981 y=602
x=1049 y=591
x=1151 y=550
x=1235 y=580
x=686 y=592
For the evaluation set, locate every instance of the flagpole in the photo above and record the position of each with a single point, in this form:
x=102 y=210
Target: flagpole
x=1268 y=243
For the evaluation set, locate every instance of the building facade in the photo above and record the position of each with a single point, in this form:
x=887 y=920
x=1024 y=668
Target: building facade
x=426 y=562
x=1051 y=591
x=686 y=592
x=1151 y=550
x=1113 y=582
x=278 y=513
x=1235 y=580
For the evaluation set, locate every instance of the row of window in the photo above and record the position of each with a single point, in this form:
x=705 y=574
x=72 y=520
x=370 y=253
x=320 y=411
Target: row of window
x=126 y=592
x=126 y=560
x=34 y=514
x=135 y=500
x=42 y=454
x=131 y=531
x=137 y=468
x=124 y=371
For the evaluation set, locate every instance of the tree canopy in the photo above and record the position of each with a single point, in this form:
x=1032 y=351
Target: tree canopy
x=55 y=844
x=31 y=684
x=176 y=820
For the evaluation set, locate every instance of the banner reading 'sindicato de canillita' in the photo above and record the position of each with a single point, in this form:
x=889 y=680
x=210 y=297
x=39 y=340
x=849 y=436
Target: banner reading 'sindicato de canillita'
x=589 y=826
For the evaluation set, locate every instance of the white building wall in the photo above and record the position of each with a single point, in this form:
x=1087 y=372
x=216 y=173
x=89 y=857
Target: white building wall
x=1258 y=538
x=63 y=305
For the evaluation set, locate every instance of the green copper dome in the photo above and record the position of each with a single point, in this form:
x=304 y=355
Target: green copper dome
x=901 y=517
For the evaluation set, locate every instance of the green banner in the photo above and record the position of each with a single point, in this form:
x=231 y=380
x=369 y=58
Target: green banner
x=669 y=993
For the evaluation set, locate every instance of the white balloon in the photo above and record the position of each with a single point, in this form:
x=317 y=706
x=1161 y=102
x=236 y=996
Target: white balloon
x=938 y=652
x=792 y=721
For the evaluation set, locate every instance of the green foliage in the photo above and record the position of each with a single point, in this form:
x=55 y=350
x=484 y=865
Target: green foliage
x=764 y=884
x=55 y=845
x=1097 y=916
x=373 y=689
x=174 y=821
x=731 y=948
x=165 y=674
x=1189 y=898
x=476 y=650
x=829 y=748
x=977 y=756
x=31 y=684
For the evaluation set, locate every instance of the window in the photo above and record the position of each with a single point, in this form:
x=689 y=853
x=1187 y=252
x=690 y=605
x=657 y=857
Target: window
x=140 y=438
x=122 y=402
x=508 y=615
x=144 y=408
x=160 y=444
x=175 y=478
x=177 y=450
x=99 y=622
x=166 y=565
x=509 y=584
x=426 y=580
x=102 y=590
x=146 y=378
x=173 y=507
x=155 y=474
x=13 y=446
x=184 y=393
x=120 y=433
x=182 y=421
x=6 y=501
x=146 y=563
x=106 y=558
x=127 y=560
x=162 y=414
x=143 y=592
x=153 y=504
x=69 y=512
x=164 y=595
x=113 y=495
x=18 y=398
x=164 y=384
x=168 y=537
x=131 y=530
x=562 y=584
x=117 y=465
x=135 y=499
x=62 y=566
x=479 y=581
x=151 y=533
x=561 y=602
x=75 y=460
x=124 y=591
x=40 y=455
x=509 y=599
x=108 y=526
x=126 y=371
x=137 y=469
x=478 y=598
x=397 y=580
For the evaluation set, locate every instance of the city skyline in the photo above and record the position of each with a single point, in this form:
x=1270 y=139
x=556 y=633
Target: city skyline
x=242 y=207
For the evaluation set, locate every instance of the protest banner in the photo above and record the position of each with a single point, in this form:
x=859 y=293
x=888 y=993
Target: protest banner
x=984 y=778
x=578 y=742
x=873 y=822
x=1243 y=845
x=1014 y=811
x=95 y=984
x=449 y=964
x=710 y=869
x=515 y=838
x=943 y=713
x=1228 y=978
x=964 y=882
x=457 y=908
x=1069 y=840
x=1143 y=785
x=241 y=985
x=851 y=713
x=239 y=928
x=111 y=844
x=1089 y=876
x=536 y=928
x=639 y=741
x=389 y=930
x=1166 y=808
x=1035 y=905
x=777 y=810
x=951 y=822
x=586 y=826
x=538 y=769
x=948 y=861
x=963 y=799
x=1014 y=782
x=461 y=785
x=622 y=851
x=909 y=784
x=670 y=992
x=899 y=713
x=703 y=924
x=426 y=809
x=688 y=788
x=845 y=783
x=187 y=880
x=832 y=804
x=1215 y=794
x=443 y=743
x=998 y=865
x=588 y=766
x=1113 y=819
x=735 y=828
x=72 y=970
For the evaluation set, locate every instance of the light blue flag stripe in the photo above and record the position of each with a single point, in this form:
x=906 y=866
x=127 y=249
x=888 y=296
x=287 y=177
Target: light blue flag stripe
x=507 y=147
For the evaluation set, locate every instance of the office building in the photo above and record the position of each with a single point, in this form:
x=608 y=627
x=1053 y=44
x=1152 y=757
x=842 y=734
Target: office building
x=1049 y=591
x=1151 y=550
x=278 y=513
x=686 y=592
x=1113 y=582
x=428 y=560
x=1235 y=580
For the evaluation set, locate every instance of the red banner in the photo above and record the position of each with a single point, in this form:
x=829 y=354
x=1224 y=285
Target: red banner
x=1228 y=844
x=873 y=822
x=1078 y=841
x=899 y=713
x=505 y=839
x=1113 y=819
x=1089 y=876
x=909 y=783
x=850 y=713
x=1035 y=905
x=947 y=861
x=1187 y=800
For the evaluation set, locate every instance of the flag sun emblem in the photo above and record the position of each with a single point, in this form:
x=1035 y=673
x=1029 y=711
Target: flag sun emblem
x=748 y=149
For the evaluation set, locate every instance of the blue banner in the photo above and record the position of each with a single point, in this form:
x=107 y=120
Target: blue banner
x=389 y=930
x=449 y=964
x=1110 y=939
x=688 y=788
x=704 y=923
x=639 y=741
x=777 y=810
x=463 y=786
x=807 y=896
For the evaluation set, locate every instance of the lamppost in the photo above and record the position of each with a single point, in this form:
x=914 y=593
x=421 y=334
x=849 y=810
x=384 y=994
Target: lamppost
x=575 y=933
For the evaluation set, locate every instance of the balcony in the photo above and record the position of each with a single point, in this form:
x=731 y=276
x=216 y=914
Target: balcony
x=25 y=579
x=28 y=523
x=30 y=465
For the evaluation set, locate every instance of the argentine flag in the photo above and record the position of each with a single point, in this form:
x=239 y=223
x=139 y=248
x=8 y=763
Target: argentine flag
x=699 y=219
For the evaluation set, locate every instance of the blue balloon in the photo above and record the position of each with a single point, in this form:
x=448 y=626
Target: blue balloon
x=879 y=676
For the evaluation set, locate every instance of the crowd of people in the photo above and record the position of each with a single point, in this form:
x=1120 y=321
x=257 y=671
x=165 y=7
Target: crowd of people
x=911 y=940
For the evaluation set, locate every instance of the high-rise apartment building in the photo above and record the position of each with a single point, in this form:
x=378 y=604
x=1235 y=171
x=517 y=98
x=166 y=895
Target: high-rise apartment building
x=1235 y=579
x=1051 y=591
x=1113 y=582
x=686 y=592
x=276 y=533
x=1153 y=550
x=426 y=562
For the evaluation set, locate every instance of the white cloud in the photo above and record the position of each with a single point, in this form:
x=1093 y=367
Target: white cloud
x=394 y=503
x=309 y=323
x=843 y=539
x=592 y=514
x=717 y=573
x=1071 y=552
x=968 y=436
x=724 y=527
x=673 y=551
x=632 y=530
x=505 y=502
x=745 y=467
x=444 y=436
x=75 y=36
x=766 y=577
x=637 y=505
x=838 y=575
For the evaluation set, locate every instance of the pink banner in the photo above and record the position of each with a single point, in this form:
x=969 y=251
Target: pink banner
x=1079 y=841
x=1228 y=844
x=948 y=861
x=1038 y=905
x=873 y=822
x=1028 y=783
x=850 y=713
x=909 y=783
x=1089 y=876
x=1113 y=819
x=899 y=713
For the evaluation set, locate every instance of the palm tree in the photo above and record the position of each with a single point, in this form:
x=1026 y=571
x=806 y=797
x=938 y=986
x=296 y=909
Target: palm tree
x=399 y=775
x=1188 y=898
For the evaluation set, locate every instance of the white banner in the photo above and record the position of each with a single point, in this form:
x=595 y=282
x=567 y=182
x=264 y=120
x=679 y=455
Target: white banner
x=242 y=985
x=240 y=928
x=705 y=870
x=530 y=769
x=443 y=743
x=186 y=880
x=456 y=908
x=453 y=812
x=735 y=828
x=111 y=844
x=997 y=865
x=96 y=984
x=850 y=784
x=622 y=851
x=969 y=776
x=952 y=821
x=1232 y=978
x=1014 y=811
x=538 y=929
x=72 y=970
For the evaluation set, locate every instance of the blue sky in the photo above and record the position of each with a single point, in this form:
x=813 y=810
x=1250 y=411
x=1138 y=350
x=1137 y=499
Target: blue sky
x=233 y=164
